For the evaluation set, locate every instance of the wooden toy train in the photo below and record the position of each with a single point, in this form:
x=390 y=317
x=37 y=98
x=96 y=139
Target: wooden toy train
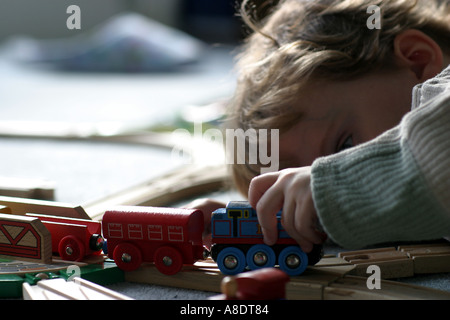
x=172 y=237
x=238 y=243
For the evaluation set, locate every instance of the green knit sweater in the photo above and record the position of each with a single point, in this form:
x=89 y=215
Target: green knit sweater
x=395 y=187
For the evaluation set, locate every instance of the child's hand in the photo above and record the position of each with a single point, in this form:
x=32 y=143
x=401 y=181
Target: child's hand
x=289 y=190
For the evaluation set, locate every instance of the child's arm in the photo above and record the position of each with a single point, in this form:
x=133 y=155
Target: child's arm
x=393 y=188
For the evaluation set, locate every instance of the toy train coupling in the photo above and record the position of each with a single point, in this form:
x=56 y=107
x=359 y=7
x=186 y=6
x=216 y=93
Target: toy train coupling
x=206 y=253
x=96 y=242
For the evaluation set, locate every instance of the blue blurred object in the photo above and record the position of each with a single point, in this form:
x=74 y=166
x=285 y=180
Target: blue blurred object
x=126 y=43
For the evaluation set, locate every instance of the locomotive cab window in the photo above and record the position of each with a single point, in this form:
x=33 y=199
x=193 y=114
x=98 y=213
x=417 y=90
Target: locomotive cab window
x=234 y=214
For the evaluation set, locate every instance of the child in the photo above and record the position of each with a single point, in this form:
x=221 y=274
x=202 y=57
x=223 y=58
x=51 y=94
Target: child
x=316 y=72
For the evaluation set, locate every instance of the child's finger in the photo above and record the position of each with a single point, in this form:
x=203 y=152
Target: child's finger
x=287 y=217
x=267 y=207
x=259 y=185
x=267 y=217
x=305 y=222
x=306 y=245
x=301 y=240
x=290 y=225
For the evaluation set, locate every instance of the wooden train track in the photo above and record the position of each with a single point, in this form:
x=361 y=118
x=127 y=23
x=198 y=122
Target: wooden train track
x=328 y=280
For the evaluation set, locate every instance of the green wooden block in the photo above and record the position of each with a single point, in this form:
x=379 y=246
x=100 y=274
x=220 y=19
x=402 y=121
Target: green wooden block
x=33 y=278
x=11 y=286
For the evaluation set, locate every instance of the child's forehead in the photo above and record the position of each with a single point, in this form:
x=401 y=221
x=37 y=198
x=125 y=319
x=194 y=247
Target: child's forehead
x=319 y=98
x=305 y=141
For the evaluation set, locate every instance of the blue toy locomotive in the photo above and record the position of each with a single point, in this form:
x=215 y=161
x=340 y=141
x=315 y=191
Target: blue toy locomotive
x=238 y=243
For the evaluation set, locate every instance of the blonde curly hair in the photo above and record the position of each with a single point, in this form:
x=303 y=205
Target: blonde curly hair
x=304 y=40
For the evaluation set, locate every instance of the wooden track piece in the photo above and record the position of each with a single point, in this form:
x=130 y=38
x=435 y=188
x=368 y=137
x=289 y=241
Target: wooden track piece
x=78 y=289
x=27 y=188
x=204 y=276
x=334 y=264
x=316 y=283
x=5 y=209
x=21 y=206
x=430 y=258
x=393 y=263
x=355 y=288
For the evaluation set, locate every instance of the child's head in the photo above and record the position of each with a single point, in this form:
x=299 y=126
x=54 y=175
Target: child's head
x=316 y=72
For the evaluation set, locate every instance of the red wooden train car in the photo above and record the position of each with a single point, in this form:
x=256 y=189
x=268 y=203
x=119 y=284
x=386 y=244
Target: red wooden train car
x=72 y=238
x=169 y=237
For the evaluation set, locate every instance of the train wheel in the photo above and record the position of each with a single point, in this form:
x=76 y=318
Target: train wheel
x=70 y=248
x=168 y=260
x=293 y=260
x=127 y=256
x=231 y=261
x=260 y=256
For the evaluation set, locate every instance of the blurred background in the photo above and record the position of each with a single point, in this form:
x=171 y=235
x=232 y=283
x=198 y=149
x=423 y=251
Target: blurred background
x=213 y=21
x=133 y=66
x=151 y=55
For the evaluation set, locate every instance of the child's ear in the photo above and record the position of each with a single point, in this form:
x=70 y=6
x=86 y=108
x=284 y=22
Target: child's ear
x=420 y=53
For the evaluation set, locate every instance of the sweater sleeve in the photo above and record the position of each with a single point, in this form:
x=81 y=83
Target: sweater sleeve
x=393 y=188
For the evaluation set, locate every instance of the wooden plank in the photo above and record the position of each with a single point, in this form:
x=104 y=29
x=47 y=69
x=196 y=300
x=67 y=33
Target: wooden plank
x=429 y=258
x=27 y=188
x=372 y=255
x=333 y=264
x=310 y=284
x=203 y=279
x=426 y=249
x=304 y=291
x=60 y=289
x=391 y=269
x=21 y=206
x=355 y=288
x=5 y=209
x=392 y=263
x=438 y=263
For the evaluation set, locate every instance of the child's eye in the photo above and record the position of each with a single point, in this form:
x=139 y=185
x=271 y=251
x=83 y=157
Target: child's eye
x=348 y=143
